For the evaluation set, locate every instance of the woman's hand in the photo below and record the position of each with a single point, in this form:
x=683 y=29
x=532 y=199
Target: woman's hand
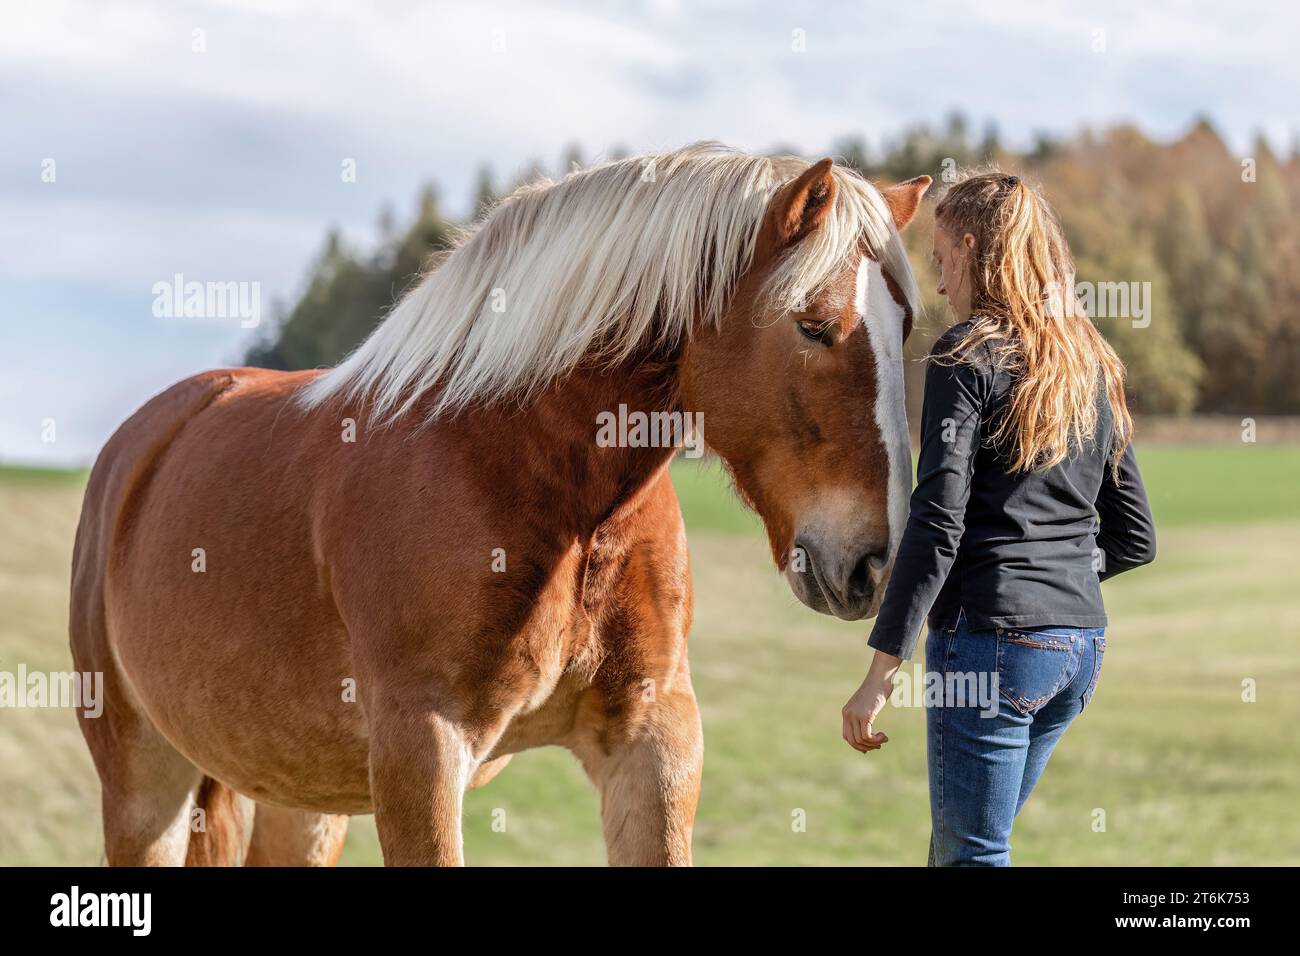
x=865 y=705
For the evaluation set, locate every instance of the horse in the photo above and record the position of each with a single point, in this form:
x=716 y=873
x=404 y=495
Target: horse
x=363 y=589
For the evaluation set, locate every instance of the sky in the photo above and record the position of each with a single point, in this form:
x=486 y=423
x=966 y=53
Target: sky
x=221 y=140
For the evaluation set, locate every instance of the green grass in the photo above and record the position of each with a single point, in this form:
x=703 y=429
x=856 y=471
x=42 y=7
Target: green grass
x=708 y=502
x=1184 y=770
x=18 y=474
x=1221 y=484
x=1188 y=485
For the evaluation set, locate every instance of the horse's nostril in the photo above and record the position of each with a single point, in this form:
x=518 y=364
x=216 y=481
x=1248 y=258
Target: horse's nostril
x=867 y=574
x=861 y=581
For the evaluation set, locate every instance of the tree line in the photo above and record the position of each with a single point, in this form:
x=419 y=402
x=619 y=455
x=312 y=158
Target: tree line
x=1203 y=239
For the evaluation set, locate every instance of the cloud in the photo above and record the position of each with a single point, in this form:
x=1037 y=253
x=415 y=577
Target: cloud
x=208 y=137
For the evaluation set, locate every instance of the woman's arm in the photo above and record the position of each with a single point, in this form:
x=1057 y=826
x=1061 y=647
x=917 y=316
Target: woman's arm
x=1127 y=536
x=955 y=396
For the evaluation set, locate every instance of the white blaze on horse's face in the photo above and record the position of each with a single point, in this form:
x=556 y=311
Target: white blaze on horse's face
x=847 y=536
x=884 y=320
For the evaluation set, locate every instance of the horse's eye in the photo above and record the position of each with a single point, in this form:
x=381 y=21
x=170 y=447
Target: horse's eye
x=817 y=332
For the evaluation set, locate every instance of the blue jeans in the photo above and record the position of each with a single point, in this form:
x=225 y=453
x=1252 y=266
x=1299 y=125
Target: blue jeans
x=988 y=742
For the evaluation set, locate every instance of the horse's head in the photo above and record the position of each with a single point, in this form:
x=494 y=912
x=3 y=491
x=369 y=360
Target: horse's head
x=801 y=388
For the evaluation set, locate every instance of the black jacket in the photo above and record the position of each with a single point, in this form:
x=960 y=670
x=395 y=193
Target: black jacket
x=1011 y=550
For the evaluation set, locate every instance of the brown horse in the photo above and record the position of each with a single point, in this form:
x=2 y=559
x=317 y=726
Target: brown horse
x=363 y=590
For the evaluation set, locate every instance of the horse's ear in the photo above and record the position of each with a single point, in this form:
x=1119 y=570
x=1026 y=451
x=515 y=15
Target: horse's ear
x=803 y=204
x=905 y=199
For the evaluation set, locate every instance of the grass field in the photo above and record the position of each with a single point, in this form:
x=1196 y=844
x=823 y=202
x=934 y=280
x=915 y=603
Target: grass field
x=1185 y=771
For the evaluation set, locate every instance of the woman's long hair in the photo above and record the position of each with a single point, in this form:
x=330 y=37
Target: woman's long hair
x=1024 y=309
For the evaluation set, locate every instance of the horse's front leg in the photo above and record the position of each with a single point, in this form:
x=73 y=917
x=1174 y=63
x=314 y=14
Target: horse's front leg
x=420 y=766
x=649 y=780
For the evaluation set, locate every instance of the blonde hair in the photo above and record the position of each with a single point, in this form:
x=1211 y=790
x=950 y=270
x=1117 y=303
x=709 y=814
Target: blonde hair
x=1025 y=311
x=609 y=259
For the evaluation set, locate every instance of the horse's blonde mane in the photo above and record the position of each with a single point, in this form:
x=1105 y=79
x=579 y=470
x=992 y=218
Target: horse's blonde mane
x=606 y=260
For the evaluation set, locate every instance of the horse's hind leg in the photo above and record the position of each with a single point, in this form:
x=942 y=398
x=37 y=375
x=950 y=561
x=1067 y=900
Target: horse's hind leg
x=296 y=837
x=147 y=792
x=158 y=808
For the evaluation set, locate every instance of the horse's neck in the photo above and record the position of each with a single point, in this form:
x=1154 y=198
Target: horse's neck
x=547 y=453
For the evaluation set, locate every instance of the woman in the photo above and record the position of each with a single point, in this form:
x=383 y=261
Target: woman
x=1028 y=496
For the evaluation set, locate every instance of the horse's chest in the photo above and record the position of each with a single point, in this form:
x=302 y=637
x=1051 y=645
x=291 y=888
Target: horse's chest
x=611 y=617
x=567 y=641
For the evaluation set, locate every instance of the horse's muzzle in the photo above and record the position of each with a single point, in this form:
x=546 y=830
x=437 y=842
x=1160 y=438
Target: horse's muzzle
x=832 y=579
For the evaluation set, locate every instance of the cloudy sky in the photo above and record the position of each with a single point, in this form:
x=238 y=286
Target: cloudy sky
x=142 y=140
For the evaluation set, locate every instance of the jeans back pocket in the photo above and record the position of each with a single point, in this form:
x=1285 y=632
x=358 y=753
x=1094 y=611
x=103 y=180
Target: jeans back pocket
x=1034 y=665
x=1099 y=651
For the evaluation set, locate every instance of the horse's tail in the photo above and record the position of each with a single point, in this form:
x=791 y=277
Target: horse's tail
x=219 y=834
